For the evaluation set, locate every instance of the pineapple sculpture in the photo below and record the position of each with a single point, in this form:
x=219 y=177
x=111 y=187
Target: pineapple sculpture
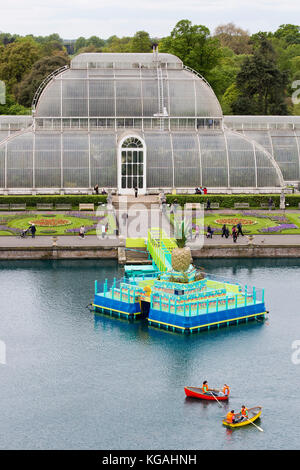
x=181 y=256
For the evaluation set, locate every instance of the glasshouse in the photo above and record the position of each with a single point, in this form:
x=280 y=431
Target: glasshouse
x=145 y=120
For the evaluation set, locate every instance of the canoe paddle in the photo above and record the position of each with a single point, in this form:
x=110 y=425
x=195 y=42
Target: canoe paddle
x=258 y=427
x=216 y=399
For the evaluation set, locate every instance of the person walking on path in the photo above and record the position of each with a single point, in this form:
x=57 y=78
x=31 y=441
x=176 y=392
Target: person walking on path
x=96 y=189
x=234 y=234
x=33 y=230
x=224 y=231
x=81 y=231
x=208 y=205
x=209 y=233
x=136 y=191
x=239 y=229
x=103 y=230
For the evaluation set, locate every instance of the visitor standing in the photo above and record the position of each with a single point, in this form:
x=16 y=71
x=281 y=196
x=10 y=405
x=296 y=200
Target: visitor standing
x=33 y=230
x=136 y=191
x=270 y=202
x=205 y=190
x=208 y=205
x=81 y=231
x=103 y=230
x=96 y=189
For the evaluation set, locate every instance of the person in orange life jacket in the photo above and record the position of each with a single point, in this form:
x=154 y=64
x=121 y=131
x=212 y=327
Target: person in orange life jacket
x=244 y=412
x=230 y=417
x=205 y=388
x=226 y=390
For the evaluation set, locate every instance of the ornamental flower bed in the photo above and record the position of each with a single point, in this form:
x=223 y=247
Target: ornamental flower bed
x=235 y=221
x=50 y=222
x=278 y=228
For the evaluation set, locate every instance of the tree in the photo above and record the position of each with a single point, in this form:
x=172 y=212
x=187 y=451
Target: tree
x=193 y=45
x=115 y=44
x=234 y=37
x=41 y=69
x=261 y=85
x=96 y=42
x=11 y=107
x=290 y=33
x=141 y=42
x=17 y=59
x=80 y=43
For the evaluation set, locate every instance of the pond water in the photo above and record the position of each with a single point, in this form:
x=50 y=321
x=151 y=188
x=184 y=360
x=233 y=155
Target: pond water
x=75 y=380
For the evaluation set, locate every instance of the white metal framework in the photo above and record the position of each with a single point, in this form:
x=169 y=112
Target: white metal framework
x=85 y=117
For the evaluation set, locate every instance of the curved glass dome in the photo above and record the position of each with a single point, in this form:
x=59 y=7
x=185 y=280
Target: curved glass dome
x=127 y=85
x=279 y=135
x=178 y=159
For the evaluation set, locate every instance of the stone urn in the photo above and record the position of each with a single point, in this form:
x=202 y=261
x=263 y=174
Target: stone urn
x=54 y=241
x=250 y=238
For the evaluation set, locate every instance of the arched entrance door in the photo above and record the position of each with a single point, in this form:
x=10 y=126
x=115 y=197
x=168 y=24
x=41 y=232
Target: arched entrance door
x=132 y=165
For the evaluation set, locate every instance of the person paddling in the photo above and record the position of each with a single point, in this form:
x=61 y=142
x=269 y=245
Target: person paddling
x=205 y=388
x=244 y=412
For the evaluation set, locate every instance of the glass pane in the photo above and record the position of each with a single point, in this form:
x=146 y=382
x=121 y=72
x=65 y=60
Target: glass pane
x=129 y=169
x=134 y=157
x=129 y=182
x=123 y=182
x=141 y=157
x=129 y=157
x=123 y=169
x=134 y=182
x=134 y=168
x=141 y=170
x=140 y=182
x=123 y=157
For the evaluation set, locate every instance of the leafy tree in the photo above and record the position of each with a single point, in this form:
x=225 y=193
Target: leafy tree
x=41 y=69
x=290 y=33
x=261 y=85
x=193 y=45
x=11 y=107
x=96 y=42
x=115 y=44
x=234 y=37
x=141 y=42
x=80 y=43
x=230 y=96
x=17 y=59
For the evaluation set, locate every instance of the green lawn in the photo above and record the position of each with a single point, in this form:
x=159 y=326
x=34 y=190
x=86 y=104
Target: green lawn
x=254 y=229
x=23 y=222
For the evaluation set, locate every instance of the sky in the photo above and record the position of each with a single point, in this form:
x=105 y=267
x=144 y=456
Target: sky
x=104 y=18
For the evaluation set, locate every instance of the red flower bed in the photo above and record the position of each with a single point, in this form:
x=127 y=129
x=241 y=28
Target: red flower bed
x=235 y=221
x=50 y=222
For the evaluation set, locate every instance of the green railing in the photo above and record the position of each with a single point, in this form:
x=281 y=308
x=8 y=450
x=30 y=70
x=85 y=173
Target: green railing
x=160 y=248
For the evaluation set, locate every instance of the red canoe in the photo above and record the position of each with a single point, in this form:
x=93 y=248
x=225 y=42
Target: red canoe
x=196 y=392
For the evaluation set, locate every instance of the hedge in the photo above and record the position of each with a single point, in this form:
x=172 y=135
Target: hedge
x=75 y=200
x=227 y=201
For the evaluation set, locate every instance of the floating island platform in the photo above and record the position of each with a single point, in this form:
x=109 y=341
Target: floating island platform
x=186 y=303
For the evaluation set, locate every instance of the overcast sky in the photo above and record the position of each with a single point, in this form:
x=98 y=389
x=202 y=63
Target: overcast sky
x=74 y=18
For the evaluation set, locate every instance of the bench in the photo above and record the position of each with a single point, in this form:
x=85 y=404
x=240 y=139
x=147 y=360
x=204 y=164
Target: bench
x=4 y=207
x=44 y=207
x=241 y=205
x=17 y=207
x=215 y=205
x=86 y=207
x=66 y=207
x=193 y=205
x=264 y=205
